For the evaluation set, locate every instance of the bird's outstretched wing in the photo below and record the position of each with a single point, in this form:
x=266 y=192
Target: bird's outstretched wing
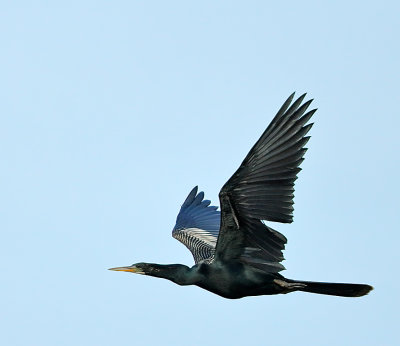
x=263 y=189
x=197 y=226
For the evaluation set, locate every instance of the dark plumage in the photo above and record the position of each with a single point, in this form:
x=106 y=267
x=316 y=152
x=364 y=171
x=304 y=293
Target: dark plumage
x=236 y=254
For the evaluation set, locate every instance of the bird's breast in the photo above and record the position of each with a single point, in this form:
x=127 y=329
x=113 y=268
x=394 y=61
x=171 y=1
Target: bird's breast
x=231 y=280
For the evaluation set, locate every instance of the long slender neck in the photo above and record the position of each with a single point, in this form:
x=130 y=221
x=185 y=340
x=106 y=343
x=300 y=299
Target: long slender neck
x=178 y=273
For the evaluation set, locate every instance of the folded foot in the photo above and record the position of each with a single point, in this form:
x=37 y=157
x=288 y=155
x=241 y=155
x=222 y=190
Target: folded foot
x=289 y=286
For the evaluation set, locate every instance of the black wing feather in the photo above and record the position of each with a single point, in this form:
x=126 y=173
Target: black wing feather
x=263 y=189
x=272 y=165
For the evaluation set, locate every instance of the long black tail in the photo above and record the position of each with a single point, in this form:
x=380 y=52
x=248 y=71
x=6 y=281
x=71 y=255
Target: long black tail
x=333 y=289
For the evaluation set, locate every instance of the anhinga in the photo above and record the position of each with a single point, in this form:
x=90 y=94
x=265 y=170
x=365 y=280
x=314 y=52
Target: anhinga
x=235 y=253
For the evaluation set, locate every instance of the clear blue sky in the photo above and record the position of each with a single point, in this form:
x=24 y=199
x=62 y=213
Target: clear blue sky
x=112 y=111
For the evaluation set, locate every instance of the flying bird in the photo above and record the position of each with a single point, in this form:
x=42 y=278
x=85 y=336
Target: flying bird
x=235 y=253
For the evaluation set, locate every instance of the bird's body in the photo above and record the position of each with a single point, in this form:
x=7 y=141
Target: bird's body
x=236 y=254
x=237 y=280
x=230 y=280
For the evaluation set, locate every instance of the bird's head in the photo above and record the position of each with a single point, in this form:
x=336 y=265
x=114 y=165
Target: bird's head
x=137 y=268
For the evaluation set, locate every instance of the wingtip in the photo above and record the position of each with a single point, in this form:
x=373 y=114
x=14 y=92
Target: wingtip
x=190 y=197
x=302 y=96
x=193 y=192
x=291 y=97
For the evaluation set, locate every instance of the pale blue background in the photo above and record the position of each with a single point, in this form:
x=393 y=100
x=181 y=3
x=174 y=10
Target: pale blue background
x=112 y=111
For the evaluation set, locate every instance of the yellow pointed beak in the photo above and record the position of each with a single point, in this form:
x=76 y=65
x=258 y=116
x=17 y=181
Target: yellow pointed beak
x=131 y=269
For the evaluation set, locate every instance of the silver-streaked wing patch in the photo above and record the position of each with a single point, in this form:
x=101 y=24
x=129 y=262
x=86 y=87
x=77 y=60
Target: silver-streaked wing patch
x=197 y=226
